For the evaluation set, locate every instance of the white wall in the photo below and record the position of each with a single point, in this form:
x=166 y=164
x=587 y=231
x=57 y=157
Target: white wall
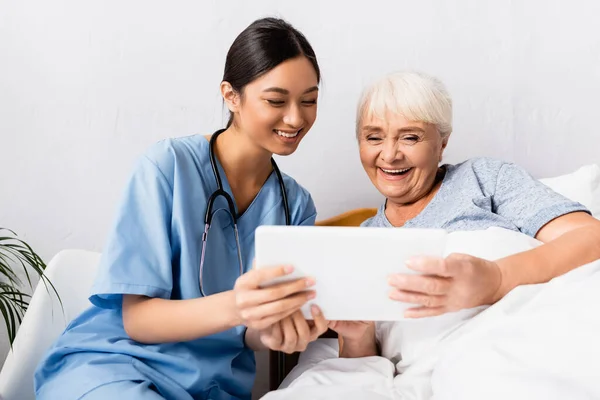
x=86 y=85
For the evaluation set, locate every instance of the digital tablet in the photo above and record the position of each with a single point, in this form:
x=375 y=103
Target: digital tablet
x=351 y=265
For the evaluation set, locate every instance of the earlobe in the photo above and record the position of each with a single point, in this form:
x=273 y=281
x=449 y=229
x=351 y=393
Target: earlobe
x=230 y=96
x=444 y=144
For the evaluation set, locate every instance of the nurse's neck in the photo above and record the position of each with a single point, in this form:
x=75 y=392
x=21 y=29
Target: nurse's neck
x=246 y=165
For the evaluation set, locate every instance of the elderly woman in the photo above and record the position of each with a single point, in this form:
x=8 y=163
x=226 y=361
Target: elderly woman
x=403 y=126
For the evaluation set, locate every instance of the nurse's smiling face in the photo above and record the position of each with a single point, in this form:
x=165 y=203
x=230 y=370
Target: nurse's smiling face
x=278 y=108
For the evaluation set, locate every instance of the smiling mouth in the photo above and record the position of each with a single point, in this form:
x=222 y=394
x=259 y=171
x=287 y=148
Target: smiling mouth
x=395 y=172
x=288 y=135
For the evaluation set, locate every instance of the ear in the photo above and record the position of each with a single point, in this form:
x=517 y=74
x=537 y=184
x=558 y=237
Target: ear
x=230 y=96
x=444 y=144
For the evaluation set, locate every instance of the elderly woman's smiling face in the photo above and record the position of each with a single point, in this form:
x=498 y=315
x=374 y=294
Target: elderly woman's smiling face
x=400 y=157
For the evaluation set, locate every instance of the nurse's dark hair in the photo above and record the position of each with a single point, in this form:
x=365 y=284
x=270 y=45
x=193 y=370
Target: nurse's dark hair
x=262 y=46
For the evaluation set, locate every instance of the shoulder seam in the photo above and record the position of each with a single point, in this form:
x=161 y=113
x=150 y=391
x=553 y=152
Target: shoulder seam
x=162 y=174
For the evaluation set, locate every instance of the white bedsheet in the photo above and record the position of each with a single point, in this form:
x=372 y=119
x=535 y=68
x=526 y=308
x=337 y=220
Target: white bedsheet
x=539 y=342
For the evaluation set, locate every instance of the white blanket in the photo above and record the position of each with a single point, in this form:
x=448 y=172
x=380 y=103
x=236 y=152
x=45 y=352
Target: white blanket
x=539 y=342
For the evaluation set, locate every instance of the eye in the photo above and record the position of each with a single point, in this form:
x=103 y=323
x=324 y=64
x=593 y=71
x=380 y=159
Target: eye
x=373 y=139
x=411 y=138
x=276 y=103
x=309 y=102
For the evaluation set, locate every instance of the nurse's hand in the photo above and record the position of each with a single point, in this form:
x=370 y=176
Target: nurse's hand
x=259 y=308
x=294 y=332
x=457 y=282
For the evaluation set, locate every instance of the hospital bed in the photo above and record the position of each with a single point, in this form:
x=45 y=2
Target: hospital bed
x=540 y=341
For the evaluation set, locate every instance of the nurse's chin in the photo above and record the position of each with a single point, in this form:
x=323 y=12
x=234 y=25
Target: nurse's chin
x=285 y=148
x=284 y=151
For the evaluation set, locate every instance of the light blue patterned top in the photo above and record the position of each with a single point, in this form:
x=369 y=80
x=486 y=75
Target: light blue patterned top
x=481 y=193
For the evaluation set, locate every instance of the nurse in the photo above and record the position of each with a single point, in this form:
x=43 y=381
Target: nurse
x=159 y=327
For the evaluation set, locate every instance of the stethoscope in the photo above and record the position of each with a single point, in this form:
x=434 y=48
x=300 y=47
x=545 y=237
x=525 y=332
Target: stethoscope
x=230 y=207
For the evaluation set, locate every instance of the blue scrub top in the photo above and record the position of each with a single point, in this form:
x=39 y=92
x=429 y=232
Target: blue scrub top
x=154 y=250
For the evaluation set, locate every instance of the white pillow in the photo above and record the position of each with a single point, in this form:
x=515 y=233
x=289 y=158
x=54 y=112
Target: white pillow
x=582 y=186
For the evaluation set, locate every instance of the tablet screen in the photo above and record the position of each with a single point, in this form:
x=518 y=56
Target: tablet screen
x=351 y=265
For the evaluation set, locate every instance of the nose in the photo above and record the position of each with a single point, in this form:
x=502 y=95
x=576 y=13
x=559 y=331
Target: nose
x=293 y=117
x=390 y=151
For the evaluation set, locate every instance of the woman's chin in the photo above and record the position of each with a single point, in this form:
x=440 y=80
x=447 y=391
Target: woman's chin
x=392 y=189
x=284 y=151
x=396 y=192
x=281 y=149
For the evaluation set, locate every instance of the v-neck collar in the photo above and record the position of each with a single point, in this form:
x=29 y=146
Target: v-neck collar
x=227 y=188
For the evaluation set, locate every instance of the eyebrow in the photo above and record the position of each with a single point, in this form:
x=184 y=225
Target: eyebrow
x=401 y=130
x=411 y=129
x=285 y=91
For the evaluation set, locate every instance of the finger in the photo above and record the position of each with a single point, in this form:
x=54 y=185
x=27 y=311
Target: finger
x=276 y=337
x=302 y=330
x=421 y=299
x=292 y=303
x=271 y=320
x=301 y=325
x=422 y=312
x=249 y=298
x=433 y=285
x=253 y=278
x=267 y=338
x=320 y=324
x=290 y=337
x=429 y=265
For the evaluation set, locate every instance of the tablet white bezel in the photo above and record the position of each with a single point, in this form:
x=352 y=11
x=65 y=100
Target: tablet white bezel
x=350 y=264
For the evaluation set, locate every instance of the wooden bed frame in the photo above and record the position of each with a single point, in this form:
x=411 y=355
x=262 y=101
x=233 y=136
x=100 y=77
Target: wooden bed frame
x=280 y=364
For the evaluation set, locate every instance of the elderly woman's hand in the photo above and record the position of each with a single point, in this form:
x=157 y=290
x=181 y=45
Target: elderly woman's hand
x=357 y=338
x=353 y=330
x=459 y=281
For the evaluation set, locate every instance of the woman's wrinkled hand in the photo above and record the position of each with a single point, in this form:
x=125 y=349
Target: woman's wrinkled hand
x=357 y=338
x=448 y=284
x=352 y=330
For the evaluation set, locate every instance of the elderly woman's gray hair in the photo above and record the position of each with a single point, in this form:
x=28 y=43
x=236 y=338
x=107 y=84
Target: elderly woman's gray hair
x=414 y=95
